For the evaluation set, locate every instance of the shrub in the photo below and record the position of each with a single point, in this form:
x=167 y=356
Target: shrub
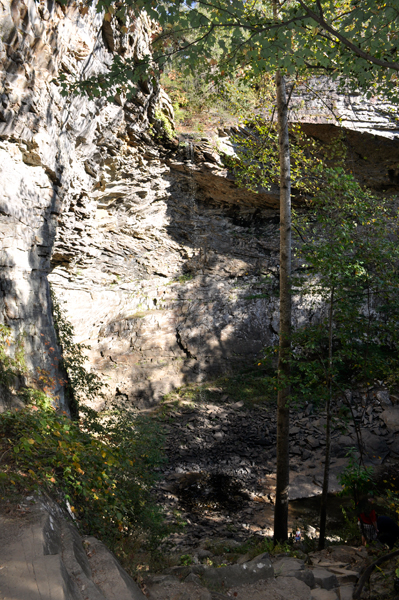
x=166 y=124
x=12 y=363
x=102 y=468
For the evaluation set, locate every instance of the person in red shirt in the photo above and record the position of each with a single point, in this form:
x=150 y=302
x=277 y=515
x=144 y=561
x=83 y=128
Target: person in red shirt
x=367 y=523
x=375 y=527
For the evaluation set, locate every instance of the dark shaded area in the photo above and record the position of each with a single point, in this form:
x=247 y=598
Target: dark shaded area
x=366 y=575
x=211 y=492
x=372 y=159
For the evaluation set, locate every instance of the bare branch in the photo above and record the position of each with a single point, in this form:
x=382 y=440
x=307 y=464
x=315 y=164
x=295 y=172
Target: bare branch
x=366 y=575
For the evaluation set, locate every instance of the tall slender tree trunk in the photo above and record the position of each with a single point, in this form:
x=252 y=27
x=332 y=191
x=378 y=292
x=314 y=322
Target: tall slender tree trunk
x=324 y=493
x=284 y=392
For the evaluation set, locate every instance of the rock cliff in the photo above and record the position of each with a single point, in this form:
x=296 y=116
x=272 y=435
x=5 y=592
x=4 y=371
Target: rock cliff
x=50 y=147
x=166 y=267
x=154 y=258
x=321 y=101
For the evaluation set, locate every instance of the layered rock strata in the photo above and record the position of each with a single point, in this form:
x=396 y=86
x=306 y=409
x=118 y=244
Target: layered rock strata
x=322 y=101
x=47 y=147
x=168 y=270
x=177 y=285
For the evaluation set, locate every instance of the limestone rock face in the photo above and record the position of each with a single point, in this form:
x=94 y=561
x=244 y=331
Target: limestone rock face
x=162 y=264
x=49 y=148
x=166 y=283
x=168 y=270
x=322 y=101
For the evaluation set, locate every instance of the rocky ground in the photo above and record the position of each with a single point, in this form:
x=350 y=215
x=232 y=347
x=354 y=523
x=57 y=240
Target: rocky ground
x=42 y=556
x=220 y=481
x=221 y=459
x=326 y=575
x=219 y=484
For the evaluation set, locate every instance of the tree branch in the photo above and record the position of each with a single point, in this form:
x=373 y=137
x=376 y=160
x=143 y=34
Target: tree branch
x=366 y=575
x=319 y=6
x=347 y=43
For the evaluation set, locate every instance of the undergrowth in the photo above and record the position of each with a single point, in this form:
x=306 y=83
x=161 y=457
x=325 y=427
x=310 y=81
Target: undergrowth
x=248 y=385
x=101 y=467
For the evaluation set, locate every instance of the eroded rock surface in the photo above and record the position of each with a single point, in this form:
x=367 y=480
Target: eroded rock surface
x=49 y=146
x=43 y=557
x=157 y=266
x=168 y=269
x=322 y=101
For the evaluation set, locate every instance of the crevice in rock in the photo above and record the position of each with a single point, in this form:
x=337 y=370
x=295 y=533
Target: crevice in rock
x=182 y=347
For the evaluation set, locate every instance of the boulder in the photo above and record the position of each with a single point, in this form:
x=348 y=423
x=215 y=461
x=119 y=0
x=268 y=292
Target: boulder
x=288 y=566
x=390 y=416
x=307 y=577
x=374 y=446
x=346 y=592
x=303 y=486
x=344 y=554
x=282 y=588
x=325 y=579
x=177 y=590
x=344 y=576
x=294 y=567
x=236 y=575
x=394 y=446
x=108 y=575
x=43 y=557
x=320 y=594
x=340 y=447
x=384 y=398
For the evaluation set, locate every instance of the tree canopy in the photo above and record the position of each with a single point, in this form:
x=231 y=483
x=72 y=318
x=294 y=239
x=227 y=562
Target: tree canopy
x=315 y=35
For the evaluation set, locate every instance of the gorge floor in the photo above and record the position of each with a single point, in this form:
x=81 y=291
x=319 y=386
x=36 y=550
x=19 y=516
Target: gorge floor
x=219 y=478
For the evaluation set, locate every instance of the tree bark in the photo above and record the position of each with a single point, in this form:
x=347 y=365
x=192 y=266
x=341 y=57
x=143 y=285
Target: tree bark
x=324 y=493
x=284 y=392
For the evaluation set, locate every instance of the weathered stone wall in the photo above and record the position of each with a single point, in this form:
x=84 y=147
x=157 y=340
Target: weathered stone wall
x=47 y=145
x=322 y=101
x=176 y=252
x=83 y=184
x=166 y=267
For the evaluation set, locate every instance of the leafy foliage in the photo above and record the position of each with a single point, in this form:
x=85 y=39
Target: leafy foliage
x=256 y=162
x=103 y=467
x=12 y=360
x=356 y=480
x=348 y=248
x=166 y=125
x=197 y=98
x=353 y=39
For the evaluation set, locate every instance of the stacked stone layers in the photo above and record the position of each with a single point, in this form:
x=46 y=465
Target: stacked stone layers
x=168 y=269
x=47 y=147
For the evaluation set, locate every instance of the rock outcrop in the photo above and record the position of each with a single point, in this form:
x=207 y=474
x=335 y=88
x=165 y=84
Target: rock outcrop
x=168 y=270
x=322 y=101
x=43 y=557
x=48 y=146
